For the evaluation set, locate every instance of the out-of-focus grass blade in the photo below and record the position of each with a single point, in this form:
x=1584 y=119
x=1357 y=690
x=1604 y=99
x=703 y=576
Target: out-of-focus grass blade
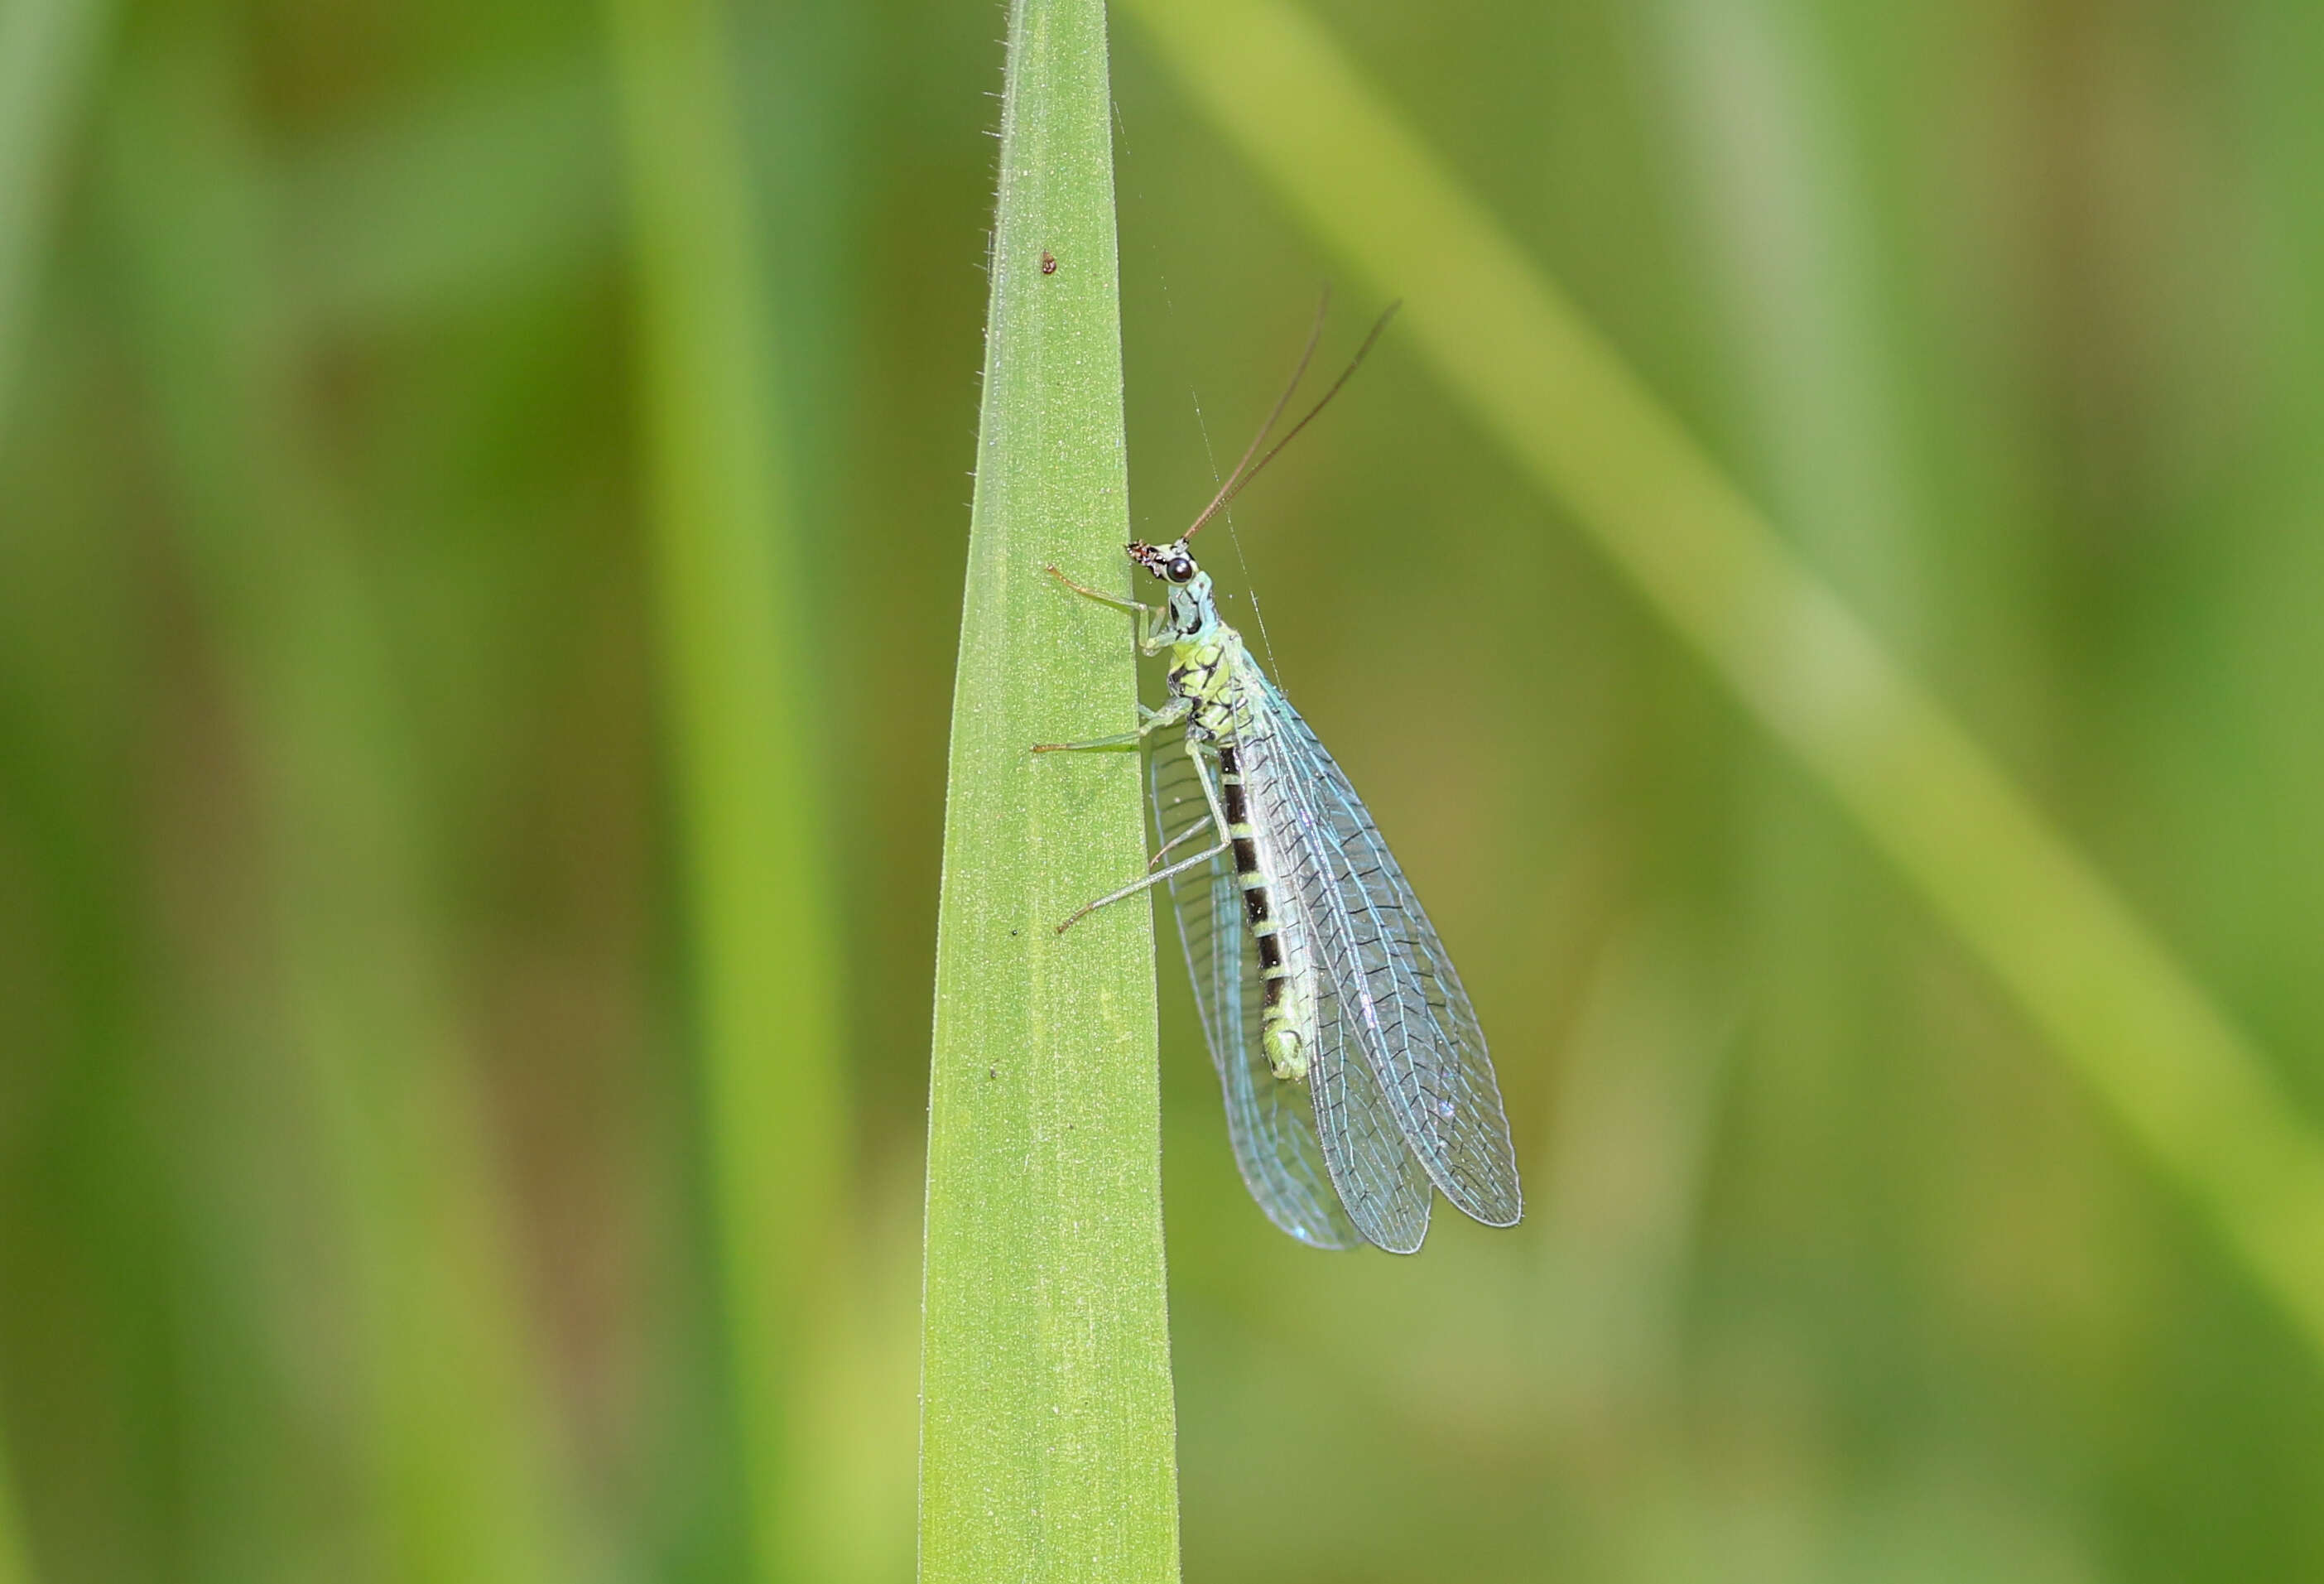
x=2108 y=996
x=738 y=670
x=496 y=187
x=13 y=1568
x=1780 y=206
x=450 y=1439
x=48 y=50
x=1046 y=1414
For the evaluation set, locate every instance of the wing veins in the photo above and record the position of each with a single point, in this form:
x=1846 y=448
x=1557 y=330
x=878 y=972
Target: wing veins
x=1421 y=1037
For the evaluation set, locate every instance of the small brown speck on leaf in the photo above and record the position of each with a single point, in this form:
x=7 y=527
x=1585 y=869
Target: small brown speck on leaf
x=1048 y=263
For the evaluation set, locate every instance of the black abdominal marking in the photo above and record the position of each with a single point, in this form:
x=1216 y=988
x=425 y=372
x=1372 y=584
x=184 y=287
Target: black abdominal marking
x=1245 y=857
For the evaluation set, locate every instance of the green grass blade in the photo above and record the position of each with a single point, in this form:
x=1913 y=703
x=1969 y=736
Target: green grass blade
x=13 y=1568
x=738 y=668
x=2109 y=997
x=1047 y=1418
x=48 y=51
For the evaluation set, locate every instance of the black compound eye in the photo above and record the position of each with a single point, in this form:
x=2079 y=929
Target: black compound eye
x=1179 y=570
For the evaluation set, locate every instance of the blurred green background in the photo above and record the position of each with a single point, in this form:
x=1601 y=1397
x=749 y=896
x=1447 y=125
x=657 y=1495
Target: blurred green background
x=354 y=1214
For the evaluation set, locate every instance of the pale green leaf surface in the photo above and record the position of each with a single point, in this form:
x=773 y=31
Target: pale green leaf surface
x=1047 y=1447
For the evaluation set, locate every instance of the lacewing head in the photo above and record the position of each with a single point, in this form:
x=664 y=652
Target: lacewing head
x=1170 y=562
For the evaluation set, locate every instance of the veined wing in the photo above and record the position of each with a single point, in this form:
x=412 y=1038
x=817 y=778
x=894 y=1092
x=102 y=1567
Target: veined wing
x=1380 y=1181
x=1272 y=1123
x=1382 y=1187
x=1400 y=1000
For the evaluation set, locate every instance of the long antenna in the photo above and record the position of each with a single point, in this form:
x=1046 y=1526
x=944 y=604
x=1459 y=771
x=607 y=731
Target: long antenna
x=1267 y=644
x=1299 y=372
x=1246 y=470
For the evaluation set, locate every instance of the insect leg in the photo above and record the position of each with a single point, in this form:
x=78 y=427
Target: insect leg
x=1196 y=829
x=1119 y=743
x=1131 y=889
x=1210 y=790
x=1169 y=715
x=1100 y=595
x=1147 y=614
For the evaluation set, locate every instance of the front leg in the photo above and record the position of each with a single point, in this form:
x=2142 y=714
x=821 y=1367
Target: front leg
x=1147 y=616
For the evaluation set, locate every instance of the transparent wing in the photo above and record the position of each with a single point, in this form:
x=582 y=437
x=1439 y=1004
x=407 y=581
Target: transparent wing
x=1380 y=1182
x=1273 y=1124
x=1383 y=1189
x=1397 y=995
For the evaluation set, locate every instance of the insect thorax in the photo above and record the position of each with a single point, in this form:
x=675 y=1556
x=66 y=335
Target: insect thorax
x=1207 y=671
